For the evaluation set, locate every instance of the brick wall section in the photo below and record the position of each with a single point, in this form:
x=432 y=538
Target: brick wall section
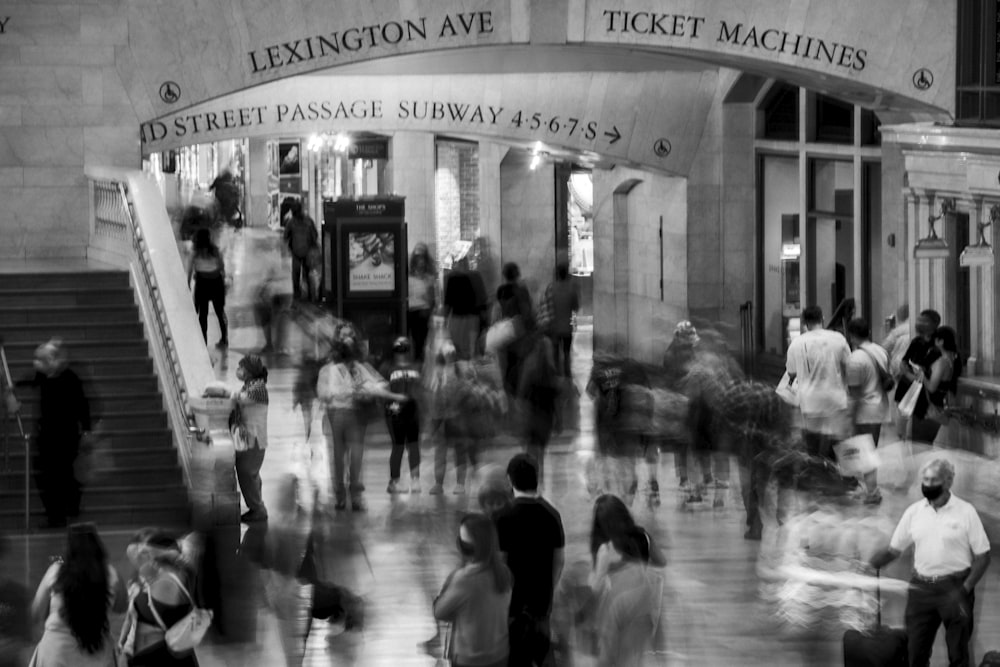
x=456 y=192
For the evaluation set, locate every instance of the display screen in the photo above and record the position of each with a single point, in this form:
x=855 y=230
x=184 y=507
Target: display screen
x=372 y=261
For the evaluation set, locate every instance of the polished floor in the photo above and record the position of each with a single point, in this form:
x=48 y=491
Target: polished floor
x=397 y=554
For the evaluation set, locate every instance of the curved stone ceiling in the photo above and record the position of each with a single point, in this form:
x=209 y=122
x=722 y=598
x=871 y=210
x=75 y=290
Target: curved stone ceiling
x=887 y=54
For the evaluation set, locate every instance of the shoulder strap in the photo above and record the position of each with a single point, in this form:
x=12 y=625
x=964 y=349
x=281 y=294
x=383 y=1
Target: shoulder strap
x=152 y=602
x=878 y=367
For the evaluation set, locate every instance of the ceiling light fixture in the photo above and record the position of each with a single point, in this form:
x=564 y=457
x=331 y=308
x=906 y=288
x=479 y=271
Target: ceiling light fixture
x=932 y=246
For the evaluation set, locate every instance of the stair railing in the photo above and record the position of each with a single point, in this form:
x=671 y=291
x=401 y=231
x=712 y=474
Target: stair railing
x=7 y=384
x=119 y=236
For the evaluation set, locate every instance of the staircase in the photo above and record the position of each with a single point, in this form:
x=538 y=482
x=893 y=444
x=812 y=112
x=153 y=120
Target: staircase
x=139 y=482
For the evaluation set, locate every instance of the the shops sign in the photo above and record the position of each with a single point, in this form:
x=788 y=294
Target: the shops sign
x=4 y=20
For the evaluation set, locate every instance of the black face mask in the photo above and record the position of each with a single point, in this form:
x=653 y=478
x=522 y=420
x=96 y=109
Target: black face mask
x=466 y=548
x=932 y=492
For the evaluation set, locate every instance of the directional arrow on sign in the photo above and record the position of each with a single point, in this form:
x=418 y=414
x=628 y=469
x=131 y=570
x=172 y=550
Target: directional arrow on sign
x=616 y=134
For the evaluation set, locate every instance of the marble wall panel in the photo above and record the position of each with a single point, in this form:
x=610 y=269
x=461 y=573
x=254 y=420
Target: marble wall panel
x=54 y=177
x=35 y=23
x=49 y=54
x=112 y=146
x=103 y=23
x=41 y=146
x=40 y=85
x=10 y=114
x=11 y=177
x=78 y=116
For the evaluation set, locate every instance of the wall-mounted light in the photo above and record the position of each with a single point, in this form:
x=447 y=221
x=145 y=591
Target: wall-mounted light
x=342 y=143
x=932 y=246
x=981 y=254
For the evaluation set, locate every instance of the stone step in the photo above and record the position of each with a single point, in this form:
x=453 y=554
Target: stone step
x=116 y=462
x=119 y=516
x=67 y=296
x=82 y=350
x=92 y=368
x=151 y=439
x=106 y=420
x=71 y=332
x=111 y=401
x=89 y=280
x=103 y=314
x=96 y=494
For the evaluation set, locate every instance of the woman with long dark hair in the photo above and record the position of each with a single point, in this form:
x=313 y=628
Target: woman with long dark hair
x=75 y=597
x=209 y=271
x=475 y=598
x=939 y=378
x=422 y=283
x=612 y=519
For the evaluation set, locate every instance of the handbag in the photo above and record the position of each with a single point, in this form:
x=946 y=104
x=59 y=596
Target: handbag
x=500 y=335
x=184 y=635
x=908 y=404
x=786 y=391
x=885 y=379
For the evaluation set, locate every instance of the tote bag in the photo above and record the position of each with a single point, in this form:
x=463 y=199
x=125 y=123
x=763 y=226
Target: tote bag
x=184 y=635
x=856 y=455
x=786 y=391
x=908 y=404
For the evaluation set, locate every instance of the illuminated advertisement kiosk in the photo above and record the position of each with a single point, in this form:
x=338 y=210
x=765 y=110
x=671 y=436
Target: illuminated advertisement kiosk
x=364 y=266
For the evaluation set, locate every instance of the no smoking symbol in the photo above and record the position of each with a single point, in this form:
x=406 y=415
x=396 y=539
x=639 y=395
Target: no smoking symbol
x=170 y=92
x=661 y=147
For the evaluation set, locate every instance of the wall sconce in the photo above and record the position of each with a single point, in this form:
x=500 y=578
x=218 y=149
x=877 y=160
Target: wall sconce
x=932 y=246
x=981 y=254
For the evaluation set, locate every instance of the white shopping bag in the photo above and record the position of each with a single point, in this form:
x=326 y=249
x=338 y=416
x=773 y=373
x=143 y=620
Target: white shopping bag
x=786 y=391
x=856 y=455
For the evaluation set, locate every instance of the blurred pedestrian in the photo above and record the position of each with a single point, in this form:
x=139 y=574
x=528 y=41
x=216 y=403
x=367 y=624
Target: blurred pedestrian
x=160 y=597
x=629 y=600
x=446 y=387
x=921 y=352
x=422 y=286
x=538 y=390
x=63 y=420
x=15 y=616
x=532 y=541
x=403 y=417
x=209 y=272
x=248 y=424
x=514 y=304
x=940 y=381
x=897 y=340
x=816 y=365
x=464 y=303
x=866 y=367
x=75 y=598
x=475 y=598
x=302 y=238
x=556 y=309
x=347 y=387
x=267 y=306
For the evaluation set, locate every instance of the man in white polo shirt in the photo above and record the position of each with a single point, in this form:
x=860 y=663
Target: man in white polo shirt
x=951 y=553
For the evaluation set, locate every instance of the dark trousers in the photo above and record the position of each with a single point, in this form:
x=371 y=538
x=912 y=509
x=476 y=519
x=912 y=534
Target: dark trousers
x=818 y=444
x=56 y=478
x=300 y=272
x=211 y=290
x=930 y=605
x=248 y=466
x=562 y=346
x=465 y=452
x=405 y=433
x=754 y=477
x=418 y=323
x=347 y=432
x=530 y=640
x=924 y=430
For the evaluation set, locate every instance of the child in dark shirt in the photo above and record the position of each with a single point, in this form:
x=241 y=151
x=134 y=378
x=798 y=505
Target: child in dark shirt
x=402 y=417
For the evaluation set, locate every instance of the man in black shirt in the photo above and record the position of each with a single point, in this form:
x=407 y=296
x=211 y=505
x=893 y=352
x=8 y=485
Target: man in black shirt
x=532 y=541
x=923 y=353
x=64 y=417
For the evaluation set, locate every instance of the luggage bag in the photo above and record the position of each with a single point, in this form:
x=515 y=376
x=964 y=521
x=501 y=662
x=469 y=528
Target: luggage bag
x=881 y=647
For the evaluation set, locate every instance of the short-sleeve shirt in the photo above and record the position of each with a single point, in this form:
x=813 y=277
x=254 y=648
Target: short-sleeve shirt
x=403 y=379
x=816 y=358
x=530 y=532
x=945 y=540
x=862 y=372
